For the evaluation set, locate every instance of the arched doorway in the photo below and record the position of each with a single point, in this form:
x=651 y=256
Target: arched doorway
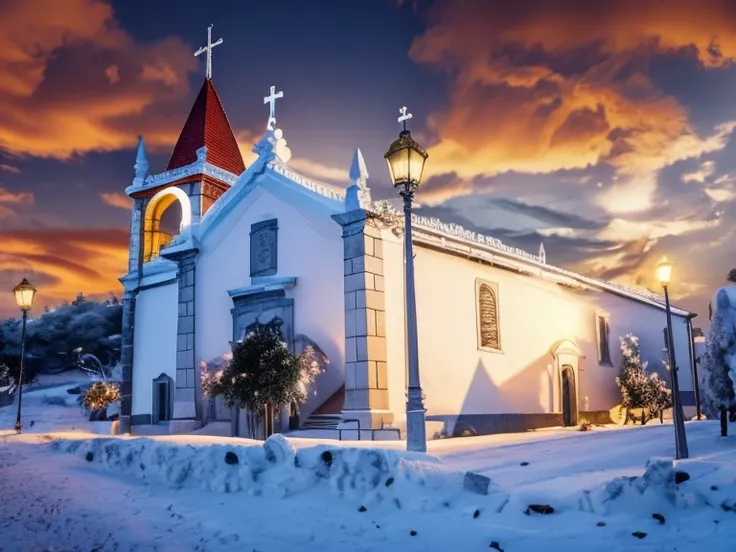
x=569 y=397
x=564 y=374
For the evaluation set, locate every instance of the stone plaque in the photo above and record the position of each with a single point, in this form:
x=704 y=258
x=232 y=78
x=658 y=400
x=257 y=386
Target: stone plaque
x=264 y=248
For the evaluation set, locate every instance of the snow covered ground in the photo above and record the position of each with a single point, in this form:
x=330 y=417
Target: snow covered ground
x=64 y=489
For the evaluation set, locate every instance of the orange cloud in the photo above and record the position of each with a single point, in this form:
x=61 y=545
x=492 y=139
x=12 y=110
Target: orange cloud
x=21 y=198
x=540 y=86
x=116 y=200
x=73 y=81
x=62 y=262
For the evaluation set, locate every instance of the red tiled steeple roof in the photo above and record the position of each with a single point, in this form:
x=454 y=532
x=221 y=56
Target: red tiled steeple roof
x=207 y=125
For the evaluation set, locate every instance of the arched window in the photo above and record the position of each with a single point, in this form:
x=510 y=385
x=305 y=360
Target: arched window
x=164 y=219
x=488 y=331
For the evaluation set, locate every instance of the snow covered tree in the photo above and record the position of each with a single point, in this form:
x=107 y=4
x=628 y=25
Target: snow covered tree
x=636 y=390
x=262 y=372
x=718 y=365
x=640 y=389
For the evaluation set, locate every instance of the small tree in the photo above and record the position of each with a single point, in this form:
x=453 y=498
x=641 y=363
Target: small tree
x=661 y=396
x=636 y=389
x=99 y=396
x=261 y=373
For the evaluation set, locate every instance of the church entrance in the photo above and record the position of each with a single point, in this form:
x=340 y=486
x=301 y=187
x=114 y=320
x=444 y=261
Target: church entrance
x=569 y=400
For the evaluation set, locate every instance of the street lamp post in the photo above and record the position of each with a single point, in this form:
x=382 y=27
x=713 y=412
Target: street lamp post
x=24 y=295
x=405 y=159
x=664 y=274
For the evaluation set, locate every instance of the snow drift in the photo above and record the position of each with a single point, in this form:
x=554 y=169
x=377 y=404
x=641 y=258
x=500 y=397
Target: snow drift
x=413 y=481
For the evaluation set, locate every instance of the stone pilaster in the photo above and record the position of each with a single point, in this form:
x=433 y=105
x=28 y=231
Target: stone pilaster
x=366 y=371
x=126 y=362
x=135 y=247
x=185 y=402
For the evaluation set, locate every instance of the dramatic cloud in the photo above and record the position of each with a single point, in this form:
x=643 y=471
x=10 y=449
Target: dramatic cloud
x=117 y=200
x=73 y=81
x=62 y=262
x=543 y=86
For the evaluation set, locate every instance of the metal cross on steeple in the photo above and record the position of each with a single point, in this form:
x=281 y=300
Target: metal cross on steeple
x=404 y=116
x=272 y=110
x=208 y=49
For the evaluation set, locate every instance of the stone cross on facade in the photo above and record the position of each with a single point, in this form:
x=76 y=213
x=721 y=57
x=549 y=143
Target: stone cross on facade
x=208 y=49
x=272 y=108
x=404 y=116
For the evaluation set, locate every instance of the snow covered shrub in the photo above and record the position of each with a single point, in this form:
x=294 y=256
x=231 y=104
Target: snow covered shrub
x=638 y=388
x=719 y=360
x=100 y=395
x=261 y=372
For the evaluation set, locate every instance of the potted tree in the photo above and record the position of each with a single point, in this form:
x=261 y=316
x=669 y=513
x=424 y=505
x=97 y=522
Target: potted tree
x=97 y=399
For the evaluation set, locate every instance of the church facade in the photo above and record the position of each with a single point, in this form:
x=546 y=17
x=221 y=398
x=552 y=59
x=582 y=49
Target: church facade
x=507 y=342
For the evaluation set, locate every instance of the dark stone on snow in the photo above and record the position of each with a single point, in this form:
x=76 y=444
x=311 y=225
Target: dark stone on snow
x=231 y=458
x=544 y=509
x=601 y=524
x=714 y=487
x=389 y=481
x=659 y=518
x=476 y=514
x=413 y=533
x=681 y=477
x=89 y=457
x=326 y=457
x=524 y=464
x=639 y=534
x=32 y=423
x=476 y=483
x=74 y=390
x=362 y=509
x=495 y=545
x=142 y=466
x=725 y=507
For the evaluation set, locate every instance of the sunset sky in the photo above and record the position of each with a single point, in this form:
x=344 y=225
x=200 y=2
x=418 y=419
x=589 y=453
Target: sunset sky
x=603 y=129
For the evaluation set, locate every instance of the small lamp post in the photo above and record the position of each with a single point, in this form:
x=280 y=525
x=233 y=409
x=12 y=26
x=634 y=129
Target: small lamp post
x=664 y=275
x=24 y=295
x=406 y=160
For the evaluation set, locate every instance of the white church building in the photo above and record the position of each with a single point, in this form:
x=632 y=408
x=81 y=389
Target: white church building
x=507 y=342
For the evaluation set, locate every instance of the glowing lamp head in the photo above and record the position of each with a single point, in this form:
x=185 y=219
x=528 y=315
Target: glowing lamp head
x=24 y=295
x=664 y=271
x=406 y=160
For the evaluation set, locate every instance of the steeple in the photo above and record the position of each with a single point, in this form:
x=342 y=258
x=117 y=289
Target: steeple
x=207 y=126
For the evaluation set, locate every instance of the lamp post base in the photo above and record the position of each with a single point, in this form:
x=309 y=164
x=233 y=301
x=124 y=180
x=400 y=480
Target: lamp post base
x=416 y=431
x=18 y=428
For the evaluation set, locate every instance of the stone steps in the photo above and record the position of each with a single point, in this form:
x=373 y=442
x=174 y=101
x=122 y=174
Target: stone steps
x=321 y=421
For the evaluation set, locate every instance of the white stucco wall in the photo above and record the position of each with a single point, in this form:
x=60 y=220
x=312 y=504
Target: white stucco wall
x=534 y=314
x=154 y=348
x=309 y=248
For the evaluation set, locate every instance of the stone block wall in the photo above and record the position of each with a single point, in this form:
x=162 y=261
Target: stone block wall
x=366 y=370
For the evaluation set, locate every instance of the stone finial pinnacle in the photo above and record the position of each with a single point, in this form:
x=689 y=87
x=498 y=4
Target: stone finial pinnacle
x=358 y=170
x=358 y=195
x=141 y=162
x=542 y=253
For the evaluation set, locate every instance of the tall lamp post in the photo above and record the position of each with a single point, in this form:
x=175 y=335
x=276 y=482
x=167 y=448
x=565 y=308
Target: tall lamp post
x=664 y=274
x=24 y=295
x=406 y=160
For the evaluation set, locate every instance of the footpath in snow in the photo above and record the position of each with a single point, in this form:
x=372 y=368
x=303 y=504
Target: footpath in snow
x=609 y=489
